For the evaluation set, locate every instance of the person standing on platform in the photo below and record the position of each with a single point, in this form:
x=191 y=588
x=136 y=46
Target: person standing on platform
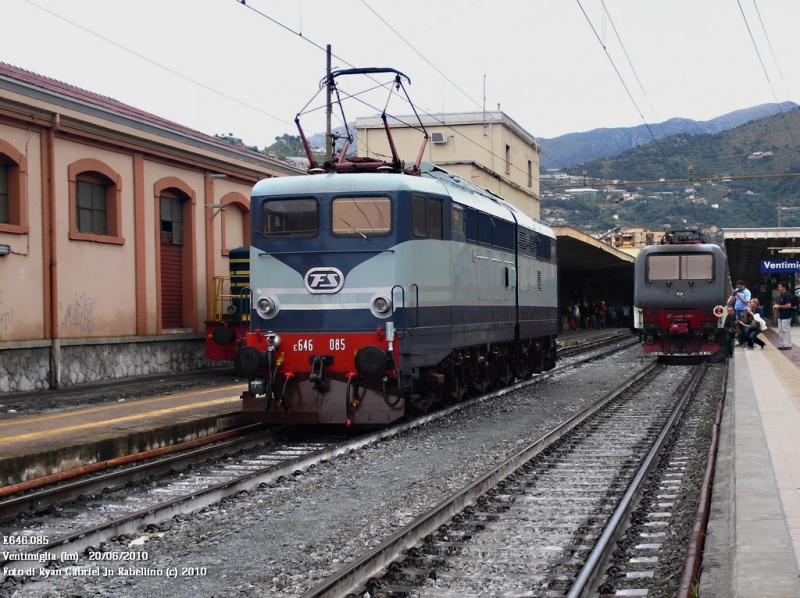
x=730 y=330
x=626 y=316
x=742 y=299
x=602 y=310
x=784 y=306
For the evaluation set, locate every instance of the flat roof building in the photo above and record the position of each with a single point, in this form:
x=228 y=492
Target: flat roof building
x=487 y=148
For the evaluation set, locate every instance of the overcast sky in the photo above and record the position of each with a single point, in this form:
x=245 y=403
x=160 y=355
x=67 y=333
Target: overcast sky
x=219 y=66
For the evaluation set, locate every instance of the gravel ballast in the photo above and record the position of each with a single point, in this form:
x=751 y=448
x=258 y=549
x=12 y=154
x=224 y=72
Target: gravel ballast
x=280 y=540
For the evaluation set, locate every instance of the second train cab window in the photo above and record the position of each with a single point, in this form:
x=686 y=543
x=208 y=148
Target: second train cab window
x=680 y=267
x=363 y=216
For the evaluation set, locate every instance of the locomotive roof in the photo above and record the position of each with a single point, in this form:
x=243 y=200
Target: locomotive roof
x=434 y=180
x=680 y=248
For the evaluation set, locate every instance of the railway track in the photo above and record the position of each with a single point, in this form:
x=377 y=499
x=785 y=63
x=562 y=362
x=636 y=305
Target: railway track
x=543 y=522
x=81 y=515
x=591 y=345
x=41 y=493
x=114 y=504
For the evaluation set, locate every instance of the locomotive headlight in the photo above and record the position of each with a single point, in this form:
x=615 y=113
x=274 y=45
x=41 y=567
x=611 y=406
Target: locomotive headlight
x=266 y=304
x=380 y=306
x=267 y=307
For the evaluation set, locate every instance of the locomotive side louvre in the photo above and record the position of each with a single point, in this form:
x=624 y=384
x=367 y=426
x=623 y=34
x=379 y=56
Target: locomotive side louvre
x=680 y=292
x=378 y=286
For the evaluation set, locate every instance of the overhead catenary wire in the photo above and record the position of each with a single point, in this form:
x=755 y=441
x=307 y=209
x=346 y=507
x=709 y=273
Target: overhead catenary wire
x=769 y=43
x=158 y=64
x=625 y=86
x=420 y=109
x=630 y=64
x=764 y=68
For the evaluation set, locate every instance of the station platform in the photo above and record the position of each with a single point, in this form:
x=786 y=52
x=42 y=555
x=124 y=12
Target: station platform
x=73 y=435
x=752 y=546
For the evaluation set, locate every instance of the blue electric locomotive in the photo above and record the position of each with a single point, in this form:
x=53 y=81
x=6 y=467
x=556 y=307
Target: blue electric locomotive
x=680 y=289
x=375 y=293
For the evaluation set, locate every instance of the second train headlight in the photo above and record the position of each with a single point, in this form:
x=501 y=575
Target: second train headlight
x=267 y=307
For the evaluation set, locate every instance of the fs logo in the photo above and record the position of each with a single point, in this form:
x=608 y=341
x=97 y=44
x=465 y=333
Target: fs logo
x=324 y=280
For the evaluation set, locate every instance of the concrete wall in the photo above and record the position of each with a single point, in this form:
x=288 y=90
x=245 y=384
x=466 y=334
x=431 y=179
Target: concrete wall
x=31 y=366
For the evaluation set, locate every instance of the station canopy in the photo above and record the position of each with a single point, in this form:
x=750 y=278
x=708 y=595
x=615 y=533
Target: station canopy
x=748 y=247
x=583 y=255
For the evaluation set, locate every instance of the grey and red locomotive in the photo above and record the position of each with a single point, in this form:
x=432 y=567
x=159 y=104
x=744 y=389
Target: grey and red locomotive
x=681 y=287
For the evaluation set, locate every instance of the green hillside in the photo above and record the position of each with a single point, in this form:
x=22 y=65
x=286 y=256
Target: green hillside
x=762 y=149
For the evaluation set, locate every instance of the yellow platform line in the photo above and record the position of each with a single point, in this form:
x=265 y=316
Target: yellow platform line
x=788 y=374
x=100 y=408
x=118 y=420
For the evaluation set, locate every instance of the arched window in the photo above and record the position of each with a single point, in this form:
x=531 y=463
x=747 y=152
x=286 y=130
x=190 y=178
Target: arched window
x=13 y=206
x=94 y=202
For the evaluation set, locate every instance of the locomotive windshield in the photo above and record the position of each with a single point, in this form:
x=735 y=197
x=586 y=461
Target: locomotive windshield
x=362 y=216
x=283 y=218
x=680 y=267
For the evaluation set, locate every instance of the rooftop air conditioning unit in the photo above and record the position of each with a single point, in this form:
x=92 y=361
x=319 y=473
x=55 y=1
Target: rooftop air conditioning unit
x=438 y=137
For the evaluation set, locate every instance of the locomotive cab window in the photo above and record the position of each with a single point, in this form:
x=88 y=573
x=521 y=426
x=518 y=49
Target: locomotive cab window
x=362 y=216
x=458 y=222
x=680 y=267
x=435 y=216
x=419 y=216
x=283 y=218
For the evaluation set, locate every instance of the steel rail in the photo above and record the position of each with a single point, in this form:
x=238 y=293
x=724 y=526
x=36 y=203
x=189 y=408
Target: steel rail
x=567 y=350
x=75 y=472
x=694 y=553
x=602 y=549
x=115 y=479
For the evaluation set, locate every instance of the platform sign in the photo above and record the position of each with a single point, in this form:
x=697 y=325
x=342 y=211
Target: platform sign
x=777 y=266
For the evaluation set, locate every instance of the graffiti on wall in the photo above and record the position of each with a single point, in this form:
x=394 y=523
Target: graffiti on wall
x=80 y=313
x=5 y=316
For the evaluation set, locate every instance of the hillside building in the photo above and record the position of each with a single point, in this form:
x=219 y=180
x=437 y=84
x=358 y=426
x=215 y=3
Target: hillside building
x=113 y=224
